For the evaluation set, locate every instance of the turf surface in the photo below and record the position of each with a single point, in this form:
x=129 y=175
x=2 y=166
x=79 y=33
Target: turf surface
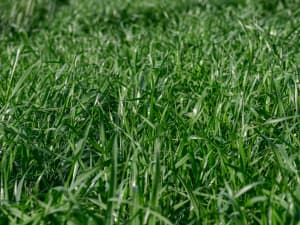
x=149 y=112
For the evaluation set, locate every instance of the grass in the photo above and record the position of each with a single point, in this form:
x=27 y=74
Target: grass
x=149 y=112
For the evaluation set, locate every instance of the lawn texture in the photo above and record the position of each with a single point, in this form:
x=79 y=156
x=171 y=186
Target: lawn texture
x=150 y=112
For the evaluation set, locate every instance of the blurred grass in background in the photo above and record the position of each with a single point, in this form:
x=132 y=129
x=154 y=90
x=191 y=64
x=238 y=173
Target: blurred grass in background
x=22 y=15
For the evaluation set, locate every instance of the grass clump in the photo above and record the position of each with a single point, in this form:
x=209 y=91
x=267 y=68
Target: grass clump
x=160 y=112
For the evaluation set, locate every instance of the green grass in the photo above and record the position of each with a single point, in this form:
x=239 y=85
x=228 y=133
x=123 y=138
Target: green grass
x=149 y=112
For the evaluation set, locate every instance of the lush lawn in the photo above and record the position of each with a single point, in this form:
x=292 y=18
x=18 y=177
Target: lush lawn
x=149 y=112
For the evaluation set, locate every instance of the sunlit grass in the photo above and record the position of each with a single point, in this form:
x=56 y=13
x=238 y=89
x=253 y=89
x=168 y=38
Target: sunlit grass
x=149 y=112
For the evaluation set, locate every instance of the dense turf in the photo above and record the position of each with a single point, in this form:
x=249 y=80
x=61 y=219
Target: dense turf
x=149 y=112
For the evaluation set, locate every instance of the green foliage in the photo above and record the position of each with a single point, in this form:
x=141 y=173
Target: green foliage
x=149 y=112
x=25 y=15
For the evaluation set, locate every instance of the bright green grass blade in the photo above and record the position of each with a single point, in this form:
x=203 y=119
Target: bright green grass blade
x=113 y=183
